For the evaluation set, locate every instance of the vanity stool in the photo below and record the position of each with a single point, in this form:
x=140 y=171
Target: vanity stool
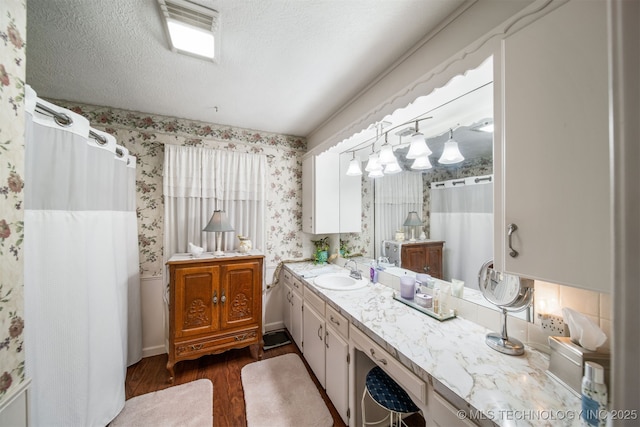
x=383 y=390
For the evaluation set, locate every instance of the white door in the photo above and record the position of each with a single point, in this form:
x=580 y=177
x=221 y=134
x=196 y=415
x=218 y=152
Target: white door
x=296 y=318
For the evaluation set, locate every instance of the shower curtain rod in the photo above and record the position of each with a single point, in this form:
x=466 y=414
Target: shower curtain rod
x=64 y=120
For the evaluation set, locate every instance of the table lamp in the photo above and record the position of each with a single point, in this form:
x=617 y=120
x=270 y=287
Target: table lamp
x=218 y=224
x=412 y=221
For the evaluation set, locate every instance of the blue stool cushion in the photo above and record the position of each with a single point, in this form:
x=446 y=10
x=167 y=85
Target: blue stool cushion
x=388 y=393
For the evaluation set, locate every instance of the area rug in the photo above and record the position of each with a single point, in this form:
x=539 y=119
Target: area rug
x=280 y=392
x=185 y=405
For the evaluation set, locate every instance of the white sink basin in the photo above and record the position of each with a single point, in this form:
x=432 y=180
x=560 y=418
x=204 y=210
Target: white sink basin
x=339 y=282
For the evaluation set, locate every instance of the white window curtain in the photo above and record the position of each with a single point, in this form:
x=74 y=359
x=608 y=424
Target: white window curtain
x=198 y=181
x=82 y=289
x=462 y=216
x=395 y=196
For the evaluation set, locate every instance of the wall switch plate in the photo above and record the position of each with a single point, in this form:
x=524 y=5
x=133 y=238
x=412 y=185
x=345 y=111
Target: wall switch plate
x=553 y=324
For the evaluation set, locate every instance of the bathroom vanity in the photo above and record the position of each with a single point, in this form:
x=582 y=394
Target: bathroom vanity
x=446 y=367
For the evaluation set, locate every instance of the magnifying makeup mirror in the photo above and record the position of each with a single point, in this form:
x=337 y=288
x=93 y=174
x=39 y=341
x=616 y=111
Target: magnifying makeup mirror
x=508 y=293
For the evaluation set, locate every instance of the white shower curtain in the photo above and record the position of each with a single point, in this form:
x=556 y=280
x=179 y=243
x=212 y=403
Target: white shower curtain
x=199 y=180
x=462 y=216
x=395 y=196
x=81 y=270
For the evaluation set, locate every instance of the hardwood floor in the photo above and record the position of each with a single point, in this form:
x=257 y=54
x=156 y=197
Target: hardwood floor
x=150 y=374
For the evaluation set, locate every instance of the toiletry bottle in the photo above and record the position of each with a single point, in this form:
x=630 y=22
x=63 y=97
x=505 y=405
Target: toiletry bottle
x=373 y=272
x=594 y=396
x=436 y=299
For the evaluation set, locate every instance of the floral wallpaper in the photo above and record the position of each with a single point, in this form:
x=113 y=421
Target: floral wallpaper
x=12 y=76
x=145 y=135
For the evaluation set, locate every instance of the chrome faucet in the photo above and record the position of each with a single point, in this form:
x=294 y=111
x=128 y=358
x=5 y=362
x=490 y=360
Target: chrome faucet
x=354 y=271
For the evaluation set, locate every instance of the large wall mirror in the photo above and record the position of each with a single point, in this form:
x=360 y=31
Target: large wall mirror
x=453 y=202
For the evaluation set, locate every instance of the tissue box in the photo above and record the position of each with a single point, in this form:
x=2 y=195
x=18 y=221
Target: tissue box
x=567 y=359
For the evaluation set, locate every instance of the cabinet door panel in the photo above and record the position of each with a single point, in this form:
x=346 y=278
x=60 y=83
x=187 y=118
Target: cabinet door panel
x=414 y=258
x=296 y=319
x=337 y=372
x=240 y=294
x=196 y=313
x=556 y=147
x=314 y=342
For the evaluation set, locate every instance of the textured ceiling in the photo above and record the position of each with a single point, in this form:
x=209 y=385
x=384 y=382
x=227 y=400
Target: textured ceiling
x=285 y=66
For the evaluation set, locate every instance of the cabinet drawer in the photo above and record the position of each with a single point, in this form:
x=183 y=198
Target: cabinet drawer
x=444 y=414
x=287 y=278
x=337 y=322
x=407 y=379
x=296 y=285
x=207 y=345
x=315 y=301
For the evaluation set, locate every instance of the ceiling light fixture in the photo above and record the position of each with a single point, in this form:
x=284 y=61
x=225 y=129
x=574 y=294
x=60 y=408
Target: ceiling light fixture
x=418 y=145
x=373 y=164
x=391 y=168
x=451 y=153
x=386 y=153
x=421 y=163
x=191 y=28
x=354 y=166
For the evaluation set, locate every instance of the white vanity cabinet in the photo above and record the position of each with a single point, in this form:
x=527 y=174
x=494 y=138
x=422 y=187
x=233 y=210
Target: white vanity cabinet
x=292 y=307
x=331 y=200
x=326 y=350
x=554 y=149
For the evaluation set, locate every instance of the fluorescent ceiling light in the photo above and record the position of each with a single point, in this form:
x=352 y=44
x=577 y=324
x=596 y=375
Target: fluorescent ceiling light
x=191 y=28
x=190 y=39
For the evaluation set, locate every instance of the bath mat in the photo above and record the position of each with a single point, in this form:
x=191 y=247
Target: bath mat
x=185 y=405
x=280 y=392
x=275 y=339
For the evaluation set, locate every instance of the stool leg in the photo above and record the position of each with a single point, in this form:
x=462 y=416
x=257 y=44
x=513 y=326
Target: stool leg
x=363 y=415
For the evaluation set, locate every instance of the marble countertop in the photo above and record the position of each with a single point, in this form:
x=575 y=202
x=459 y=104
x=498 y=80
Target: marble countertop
x=508 y=390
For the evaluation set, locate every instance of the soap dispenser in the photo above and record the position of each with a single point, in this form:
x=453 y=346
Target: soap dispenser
x=594 y=396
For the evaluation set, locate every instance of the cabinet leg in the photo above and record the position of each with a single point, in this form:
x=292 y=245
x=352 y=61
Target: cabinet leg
x=257 y=350
x=170 y=368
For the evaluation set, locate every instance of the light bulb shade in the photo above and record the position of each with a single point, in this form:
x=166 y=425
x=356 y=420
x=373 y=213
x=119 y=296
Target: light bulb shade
x=386 y=155
x=354 y=168
x=412 y=219
x=392 y=168
x=451 y=153
x=421 y=163
x=376 y=174
x=373 y=164
x=218 y=222
x=418 y=146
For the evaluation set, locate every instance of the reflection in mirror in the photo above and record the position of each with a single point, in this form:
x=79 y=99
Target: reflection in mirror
x=459 y=214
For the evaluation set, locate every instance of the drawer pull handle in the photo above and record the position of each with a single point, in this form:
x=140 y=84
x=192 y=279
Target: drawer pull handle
x=373 y=355
x=334 y=320
x=320 y=332
x=240 y=337
x=326 y=339
x=510 y=230
x=195 y=347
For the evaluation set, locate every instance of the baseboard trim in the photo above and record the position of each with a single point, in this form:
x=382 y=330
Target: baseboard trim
x=274 y=326
x=153 y=351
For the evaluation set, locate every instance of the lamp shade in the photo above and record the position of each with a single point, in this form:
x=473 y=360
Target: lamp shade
x=421 y=163
x=354 y=168
x=418 y=146
x=376 y=173
x=218 y=222
x=412 y=219
x=373 y=164
x=392 y=168
x=386 y=155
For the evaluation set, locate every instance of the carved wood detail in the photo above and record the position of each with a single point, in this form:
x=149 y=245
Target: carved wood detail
x=196 y=314
x=240 y=307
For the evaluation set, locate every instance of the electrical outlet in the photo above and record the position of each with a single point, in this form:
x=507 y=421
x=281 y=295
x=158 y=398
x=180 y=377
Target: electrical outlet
x=553 y=324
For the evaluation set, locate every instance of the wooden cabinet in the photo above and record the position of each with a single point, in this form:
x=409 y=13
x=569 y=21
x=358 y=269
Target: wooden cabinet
x=292 y=306
x=423 y=257
x=331 y=200
x=555 y=149
x=215 y=304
